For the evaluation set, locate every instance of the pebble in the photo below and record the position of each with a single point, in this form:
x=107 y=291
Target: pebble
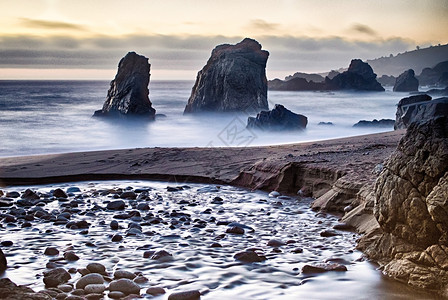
x=235 y=230
x=155 y=291
x=117 y=238
x=124 y=274
x=51 y=251
x=323 y=267
x=124 y=285
x=162 y=255
x=116 y=205
x=274 y=194
x=249 y=257
x=66 y=288
x=70 y=256
x=94 y=288
x=114 y=225
x=275 y=243
x=92 y=278
x=56 y=277
x=94 y=296
x=187 y=295
x=328 y=233
x=96 y=268
x=58 y=193
x=116 y=295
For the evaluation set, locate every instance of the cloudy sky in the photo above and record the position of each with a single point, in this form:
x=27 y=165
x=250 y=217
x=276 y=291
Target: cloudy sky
x=85 y=39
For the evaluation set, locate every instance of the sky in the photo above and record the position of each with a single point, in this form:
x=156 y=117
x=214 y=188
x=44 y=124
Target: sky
x=85 y=39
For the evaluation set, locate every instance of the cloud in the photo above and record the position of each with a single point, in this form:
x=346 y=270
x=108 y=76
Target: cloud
x=45 y=24
x=262 y=25
x=287 y=53
x=364 y=29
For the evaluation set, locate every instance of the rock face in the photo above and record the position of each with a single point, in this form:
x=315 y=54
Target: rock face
x=406 y=82
x=411 y=207
x=279 y=118
x=128 y=92
x=359 y=76
x=234 y=79
x=419 y=108
x=434 y=76
x=3 y=263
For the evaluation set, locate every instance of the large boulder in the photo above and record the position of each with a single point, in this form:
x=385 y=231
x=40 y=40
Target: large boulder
x=419 y=108
x=411 y=207
x=279 y=118
x=406 y=82
x=359 y=76
x=234 y=79
x=128 y=92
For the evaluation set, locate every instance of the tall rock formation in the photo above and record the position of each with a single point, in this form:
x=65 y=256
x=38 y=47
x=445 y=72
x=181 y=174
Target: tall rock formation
x=128 y=92
x=406 y=82
x=234 y=79
x=411 y=207
x=359 y=76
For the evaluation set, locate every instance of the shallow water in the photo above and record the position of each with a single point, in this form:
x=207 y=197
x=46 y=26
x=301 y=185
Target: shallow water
x=187 y=228
x=56 y=116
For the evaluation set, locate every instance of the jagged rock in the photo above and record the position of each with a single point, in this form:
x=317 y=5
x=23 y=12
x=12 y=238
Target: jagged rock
x=375 y=123
x=279 y=118
x=128 y=92
x=411 y=208
x=434 y=76
x=234 y=79
x=3 y=263
x=359 y=76
x=406 y=82
x=419 y=108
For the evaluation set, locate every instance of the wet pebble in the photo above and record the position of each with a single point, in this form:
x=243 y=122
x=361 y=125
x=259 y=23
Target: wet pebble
x=124 y=285
x=51 y=251
x=96 y=268
x=116 y=205
x=249 y=257
x=235 y=230
x=187 y=295
x=92 y=278
x=56 y=277
x=70 y=256
x=155 y=291
x=328 y=233
x=162 y=255
x=94 y=288
x=275 y=243
x=323 y=267
x=124 y=274
x=117 y=238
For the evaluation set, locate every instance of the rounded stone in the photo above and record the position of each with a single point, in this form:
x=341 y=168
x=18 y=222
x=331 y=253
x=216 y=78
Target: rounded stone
x=96 y=268
x=155 y=291
x=56 y=277
x=187 y=295
x=70 y=256
x=124 y=274
x=94 y=288
x=51 y=251
x=116 y=295
x=124 y=285
x=92 y=278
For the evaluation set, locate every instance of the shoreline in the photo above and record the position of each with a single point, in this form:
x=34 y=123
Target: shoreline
x=353 y=156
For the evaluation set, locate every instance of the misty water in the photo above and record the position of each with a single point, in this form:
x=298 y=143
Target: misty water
x=185 y=223
x=56 y=116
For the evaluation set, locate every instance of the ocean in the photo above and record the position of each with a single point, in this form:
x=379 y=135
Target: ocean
x=38 y=117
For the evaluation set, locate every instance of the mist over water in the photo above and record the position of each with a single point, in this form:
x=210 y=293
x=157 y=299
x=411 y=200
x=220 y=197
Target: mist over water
x=56 y=116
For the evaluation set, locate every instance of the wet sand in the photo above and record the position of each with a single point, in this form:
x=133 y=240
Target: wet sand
x=354 y=157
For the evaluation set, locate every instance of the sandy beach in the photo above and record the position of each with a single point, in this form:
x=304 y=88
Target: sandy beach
x=353 y=157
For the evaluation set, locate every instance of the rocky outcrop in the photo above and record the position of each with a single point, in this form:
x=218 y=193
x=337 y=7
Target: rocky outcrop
x=387 y=80
x=411 y=204
x=308 y=76
x=406 y=82
x=234 y=79
x=435 y=76
x=279 y=118
x=359 y=76
x=383 y=123
x=419 y=108
x=11 y=291
x=295 y=84
x=128 y=92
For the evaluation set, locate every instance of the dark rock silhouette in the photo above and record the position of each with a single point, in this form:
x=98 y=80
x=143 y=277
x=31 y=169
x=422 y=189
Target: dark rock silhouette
x=128 y=92
x=295 y=84
x=411 y=207
x=438 y=75
x=419 y=108
x=359 y=76
x=406 y=82
x=279 y=118
x=234 y=79
x=307 y=76
x=386 y=80
x=383 y=123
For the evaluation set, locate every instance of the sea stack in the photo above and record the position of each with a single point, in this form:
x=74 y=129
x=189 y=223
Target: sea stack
x=280 y=118
x=128 y=92
x=359 y=76
x=406 y=82
x=233 y=80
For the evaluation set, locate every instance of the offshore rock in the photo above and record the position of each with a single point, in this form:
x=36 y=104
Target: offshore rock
x=128 y=92
x=411 y=204
x=234 y=79
x=419 y=108
x=406 y=82
x=359 y=76
x=383 y=123
x=279 y=118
